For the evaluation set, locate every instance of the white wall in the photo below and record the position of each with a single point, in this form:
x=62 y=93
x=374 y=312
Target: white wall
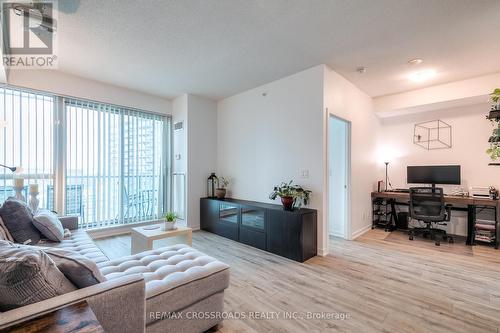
x=202 y=152
x=180 y=156
x=470 y=133
x=74 y=86
x=346 y=101
x=179 y=145
x=337 y=171
x=264 y=140
x=196 y=144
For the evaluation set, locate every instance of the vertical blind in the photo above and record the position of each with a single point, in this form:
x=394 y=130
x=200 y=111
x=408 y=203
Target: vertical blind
x=116 y=165
x=27 y=140
x=107 y=164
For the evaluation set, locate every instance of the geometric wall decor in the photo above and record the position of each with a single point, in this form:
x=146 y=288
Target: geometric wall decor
x=435 y=134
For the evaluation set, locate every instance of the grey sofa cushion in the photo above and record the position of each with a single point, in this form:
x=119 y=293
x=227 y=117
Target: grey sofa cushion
x=28 y=275
x=18 y=219
x=81 y=271
x=80 y=242
x=49 y=225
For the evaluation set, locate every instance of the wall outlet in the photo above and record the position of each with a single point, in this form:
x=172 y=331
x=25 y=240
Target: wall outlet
x=177 y=156
x=304 y=174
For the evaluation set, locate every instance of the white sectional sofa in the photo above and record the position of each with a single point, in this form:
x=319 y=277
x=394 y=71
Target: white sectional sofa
x=142 y=291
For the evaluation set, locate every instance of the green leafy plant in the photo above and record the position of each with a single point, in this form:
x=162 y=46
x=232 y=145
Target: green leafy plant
x=170 y=216
x=494 y=150
x=495 y=96
x=300 y=195
x=223 y=182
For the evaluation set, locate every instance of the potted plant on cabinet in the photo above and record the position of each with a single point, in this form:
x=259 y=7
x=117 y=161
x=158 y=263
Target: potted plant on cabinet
x=170 y=219
x=220 y=192
x=291 y=195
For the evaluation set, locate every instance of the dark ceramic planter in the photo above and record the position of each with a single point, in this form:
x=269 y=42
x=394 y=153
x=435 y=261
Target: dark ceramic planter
x=494 y=114
x=287 y=203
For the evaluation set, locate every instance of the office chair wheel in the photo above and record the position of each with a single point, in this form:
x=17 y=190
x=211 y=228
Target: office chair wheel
x=450 y=240
x=410 y=237
x=438 y=243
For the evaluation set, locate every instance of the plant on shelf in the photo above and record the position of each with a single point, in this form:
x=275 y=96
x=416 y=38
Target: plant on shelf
x=221 y=191
x=494 y=116
x=495 y=98
x=170 y=219
x=291 y=195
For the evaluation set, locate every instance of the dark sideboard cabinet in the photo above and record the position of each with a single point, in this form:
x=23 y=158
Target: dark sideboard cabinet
x=291 y=234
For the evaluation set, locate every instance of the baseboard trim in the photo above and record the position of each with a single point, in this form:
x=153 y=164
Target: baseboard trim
x=322 y=252
x=337 y=234
x=361 y=231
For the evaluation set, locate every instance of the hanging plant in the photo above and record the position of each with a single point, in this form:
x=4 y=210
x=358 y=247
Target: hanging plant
x=494 y=116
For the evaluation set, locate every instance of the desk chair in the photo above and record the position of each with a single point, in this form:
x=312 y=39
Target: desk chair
x=427 y=205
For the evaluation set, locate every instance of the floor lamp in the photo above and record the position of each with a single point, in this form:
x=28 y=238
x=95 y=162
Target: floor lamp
x=386 y=175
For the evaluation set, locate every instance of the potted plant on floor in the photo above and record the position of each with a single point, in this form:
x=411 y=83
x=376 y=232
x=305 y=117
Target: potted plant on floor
x=170 y=219
x=291 y=195
x=220 y=192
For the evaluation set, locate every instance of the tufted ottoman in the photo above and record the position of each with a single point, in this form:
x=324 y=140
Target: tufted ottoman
x=180 y=280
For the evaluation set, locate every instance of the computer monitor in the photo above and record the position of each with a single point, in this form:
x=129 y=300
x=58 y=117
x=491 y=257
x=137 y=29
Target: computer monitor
x=434 y=174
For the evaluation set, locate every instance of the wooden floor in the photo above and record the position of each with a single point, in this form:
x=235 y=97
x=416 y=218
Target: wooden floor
x=382 y=285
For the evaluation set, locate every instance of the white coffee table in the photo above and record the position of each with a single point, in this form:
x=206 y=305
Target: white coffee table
x=143 y=237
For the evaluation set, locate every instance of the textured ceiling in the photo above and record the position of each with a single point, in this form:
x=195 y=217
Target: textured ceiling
x=216 y=48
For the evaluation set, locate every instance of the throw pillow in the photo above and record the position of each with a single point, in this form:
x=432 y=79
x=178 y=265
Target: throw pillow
x=18 y=219
x=81 y=271
x=49 y=225
x=4 y=231
x=28 y=276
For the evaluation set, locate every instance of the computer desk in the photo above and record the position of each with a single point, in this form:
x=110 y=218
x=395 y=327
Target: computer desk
x=454 y=200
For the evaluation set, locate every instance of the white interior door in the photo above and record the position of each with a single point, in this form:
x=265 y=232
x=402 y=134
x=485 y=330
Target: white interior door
x=338 y=186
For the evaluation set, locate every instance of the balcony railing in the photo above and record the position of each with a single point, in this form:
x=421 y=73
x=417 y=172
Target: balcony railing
x=100 y=201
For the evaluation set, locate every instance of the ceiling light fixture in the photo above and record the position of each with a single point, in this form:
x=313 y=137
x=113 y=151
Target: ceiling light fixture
x=361 y=69
x=416 y=61
x=422 y=76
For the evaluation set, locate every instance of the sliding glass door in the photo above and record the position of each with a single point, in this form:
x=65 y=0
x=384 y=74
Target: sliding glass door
x=108 y=165
x=116 y=164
